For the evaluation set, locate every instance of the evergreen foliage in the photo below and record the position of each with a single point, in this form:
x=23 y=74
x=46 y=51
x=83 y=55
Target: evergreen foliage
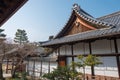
x=62 y=73
x=21 y=36
x=69 y=72
x=2 y=34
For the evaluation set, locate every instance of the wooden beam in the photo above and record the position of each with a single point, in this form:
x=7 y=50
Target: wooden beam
x=86 y=25
x=117 y=57
x=97 y=55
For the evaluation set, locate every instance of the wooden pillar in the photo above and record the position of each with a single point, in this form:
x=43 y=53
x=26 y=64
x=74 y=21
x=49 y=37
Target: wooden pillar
x=117 y=57
x=28 y=67
x=34 y=68
x=41 y=66
x=92 y=67
x=72 y=52
x=7 y=65
x=58 y=56
x=12 y=64
x=49 y=66
x=73 y=67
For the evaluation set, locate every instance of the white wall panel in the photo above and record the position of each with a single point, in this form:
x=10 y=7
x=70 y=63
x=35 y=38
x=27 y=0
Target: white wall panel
x=87 y=51
x=78 y=49
x=68 y=50
x=63 y=50
x=88 y=70
x=69 y=60
x=44 y=67
x=53 y=65
x=108 y=68
x=102 y=46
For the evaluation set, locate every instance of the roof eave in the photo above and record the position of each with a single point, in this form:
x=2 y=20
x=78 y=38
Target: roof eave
x=12 y=12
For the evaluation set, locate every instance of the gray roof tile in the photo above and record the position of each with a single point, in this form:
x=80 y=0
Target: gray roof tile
x=84 y=36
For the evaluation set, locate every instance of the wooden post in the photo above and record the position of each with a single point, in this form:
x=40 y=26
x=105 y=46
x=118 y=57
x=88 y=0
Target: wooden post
x=92 y=67
x=7 y=66
x=49 y=66
x=12 y=64
x=41 y=66
x=72 y=52
x=117 y=57
x=73 y=67
x=58 y=55
x=34 y=68
x=28 y=67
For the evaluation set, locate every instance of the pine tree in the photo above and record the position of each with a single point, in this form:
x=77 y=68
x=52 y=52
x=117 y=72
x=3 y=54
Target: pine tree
x=1 y=58
x=21 y=37
x=2 y=34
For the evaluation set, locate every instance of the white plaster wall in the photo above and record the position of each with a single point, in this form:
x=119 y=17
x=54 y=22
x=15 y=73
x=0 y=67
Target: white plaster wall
x=30 y=65
x=53 y=66
x=108 y=68
x=118 y=43
x=69 y=60
x=87 y=51
x=78 y=49
x=87 y=68
x=38 y=67
x=45 y=67
x=102 y=46
x=63 y=50
x=68 y=50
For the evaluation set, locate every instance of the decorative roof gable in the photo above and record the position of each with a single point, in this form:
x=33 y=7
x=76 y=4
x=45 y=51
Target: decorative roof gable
x=105 y=27
x=86 y=22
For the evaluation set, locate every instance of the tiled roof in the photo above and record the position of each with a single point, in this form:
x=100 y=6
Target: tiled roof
x=112 y=21
x=85 y=36
x=113 y=18
x=89 y=18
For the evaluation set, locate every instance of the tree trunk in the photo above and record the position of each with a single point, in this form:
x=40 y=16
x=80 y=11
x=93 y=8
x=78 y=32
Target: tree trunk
x=13 y=72
x=14 y=69
x=1 y=72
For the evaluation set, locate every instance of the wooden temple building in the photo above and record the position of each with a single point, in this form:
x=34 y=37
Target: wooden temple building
x=83 y=35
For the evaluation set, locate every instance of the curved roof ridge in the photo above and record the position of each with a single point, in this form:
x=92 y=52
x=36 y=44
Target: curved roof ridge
x=65 y=24
x=89 y=18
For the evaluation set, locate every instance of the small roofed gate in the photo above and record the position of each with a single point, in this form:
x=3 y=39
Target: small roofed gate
x=62 y=60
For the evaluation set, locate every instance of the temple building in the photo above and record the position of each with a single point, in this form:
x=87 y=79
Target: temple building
x=83 y=35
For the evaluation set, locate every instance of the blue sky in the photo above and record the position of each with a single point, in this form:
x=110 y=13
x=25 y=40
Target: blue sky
x=42 y=18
